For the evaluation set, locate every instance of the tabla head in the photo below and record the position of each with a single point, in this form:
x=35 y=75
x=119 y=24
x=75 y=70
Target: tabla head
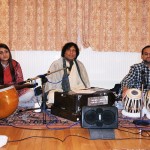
x=133 y=93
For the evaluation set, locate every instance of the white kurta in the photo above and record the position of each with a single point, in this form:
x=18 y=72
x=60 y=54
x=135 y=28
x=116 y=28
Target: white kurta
x=54 y=80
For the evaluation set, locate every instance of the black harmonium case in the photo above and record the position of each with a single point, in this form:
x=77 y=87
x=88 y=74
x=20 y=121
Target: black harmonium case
x=69 y=105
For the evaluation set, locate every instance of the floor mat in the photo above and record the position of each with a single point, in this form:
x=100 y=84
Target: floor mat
x=27 y=118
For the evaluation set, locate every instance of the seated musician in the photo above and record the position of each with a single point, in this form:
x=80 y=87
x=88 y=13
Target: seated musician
x=138 y=74
x=11 y=74
x=75 y=77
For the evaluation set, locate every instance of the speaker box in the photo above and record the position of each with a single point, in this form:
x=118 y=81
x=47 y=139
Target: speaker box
x=103 y=117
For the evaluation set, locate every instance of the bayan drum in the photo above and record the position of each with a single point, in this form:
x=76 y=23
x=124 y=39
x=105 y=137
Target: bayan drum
x=132 y=103
x=147 y=104
x=147 y=101
x=8 y=101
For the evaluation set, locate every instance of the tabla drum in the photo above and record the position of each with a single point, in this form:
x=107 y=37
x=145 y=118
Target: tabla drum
x=8 y=101
x=132 y=103
x=147 y=101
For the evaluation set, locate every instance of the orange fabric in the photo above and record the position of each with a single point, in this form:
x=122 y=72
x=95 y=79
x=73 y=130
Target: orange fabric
x=105 y=25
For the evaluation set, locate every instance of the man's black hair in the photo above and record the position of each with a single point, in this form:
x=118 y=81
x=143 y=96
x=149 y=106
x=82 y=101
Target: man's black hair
x=67 y=46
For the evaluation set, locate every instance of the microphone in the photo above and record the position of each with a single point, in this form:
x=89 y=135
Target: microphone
x=143 y=80
x=49 y=73
x=41 y=76
x=142 y=77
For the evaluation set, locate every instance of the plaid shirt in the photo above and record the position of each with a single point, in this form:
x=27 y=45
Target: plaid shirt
x=138 y=74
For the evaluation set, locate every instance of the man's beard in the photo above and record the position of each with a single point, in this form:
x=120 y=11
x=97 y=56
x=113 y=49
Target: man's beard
x=147 y=62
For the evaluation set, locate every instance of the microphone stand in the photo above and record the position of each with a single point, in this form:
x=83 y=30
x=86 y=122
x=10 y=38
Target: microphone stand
x=43 y=106
x=140 y=121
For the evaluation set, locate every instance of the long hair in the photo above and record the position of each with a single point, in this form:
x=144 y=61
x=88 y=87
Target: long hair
x=67 y=46
x=12 y=70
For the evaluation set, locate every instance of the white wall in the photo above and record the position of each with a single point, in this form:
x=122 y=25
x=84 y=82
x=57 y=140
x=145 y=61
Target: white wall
x=105 y=69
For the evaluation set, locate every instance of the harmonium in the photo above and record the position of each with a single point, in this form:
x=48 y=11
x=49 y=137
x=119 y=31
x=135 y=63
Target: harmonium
x=69 y=105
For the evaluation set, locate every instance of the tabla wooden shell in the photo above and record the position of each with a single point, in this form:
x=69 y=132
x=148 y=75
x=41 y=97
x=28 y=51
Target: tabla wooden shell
x=8 y=101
